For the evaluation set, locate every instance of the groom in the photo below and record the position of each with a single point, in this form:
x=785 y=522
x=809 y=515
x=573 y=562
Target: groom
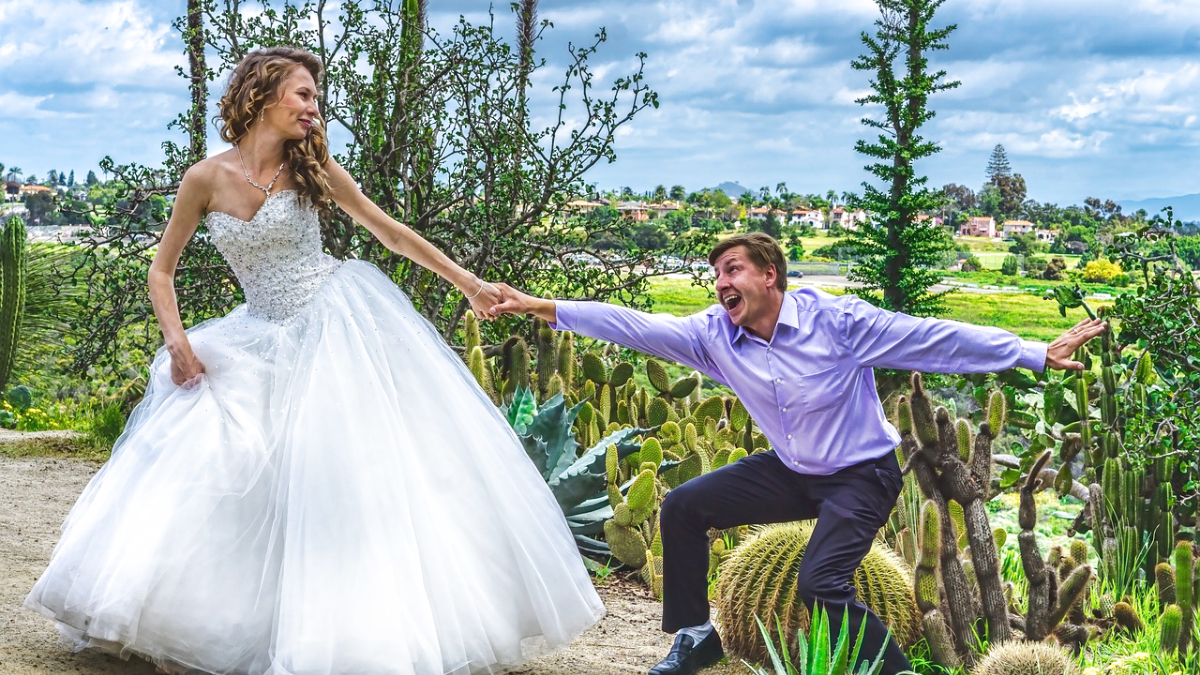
x=801 y=362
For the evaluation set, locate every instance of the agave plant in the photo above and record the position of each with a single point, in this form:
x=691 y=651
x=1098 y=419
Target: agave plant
x=815 y=655
x=578 y=480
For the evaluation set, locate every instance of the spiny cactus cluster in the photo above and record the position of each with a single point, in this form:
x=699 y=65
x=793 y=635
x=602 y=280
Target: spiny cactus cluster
x=1057 y=585
x=953 y=465
x=1178 y=590
x=758 y=579
x=958 y=583
x=633 y=531
x=12 y=293
x=1026 y=658
x=1135 y=495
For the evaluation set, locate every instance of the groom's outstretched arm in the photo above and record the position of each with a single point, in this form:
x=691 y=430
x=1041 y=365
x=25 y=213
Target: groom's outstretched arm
x=679 y=339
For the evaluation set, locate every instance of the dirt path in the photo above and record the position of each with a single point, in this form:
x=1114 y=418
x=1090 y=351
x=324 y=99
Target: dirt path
x=36 y=493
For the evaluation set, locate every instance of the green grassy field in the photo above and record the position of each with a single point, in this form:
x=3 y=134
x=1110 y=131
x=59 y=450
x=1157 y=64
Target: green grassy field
x=992 y=260
x=1026 y=315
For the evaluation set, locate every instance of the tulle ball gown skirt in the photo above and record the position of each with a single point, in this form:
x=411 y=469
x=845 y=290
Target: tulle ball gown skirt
x=336 y=497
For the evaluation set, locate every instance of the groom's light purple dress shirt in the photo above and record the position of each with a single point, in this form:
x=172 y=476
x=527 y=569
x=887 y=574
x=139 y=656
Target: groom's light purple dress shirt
x=811 y=388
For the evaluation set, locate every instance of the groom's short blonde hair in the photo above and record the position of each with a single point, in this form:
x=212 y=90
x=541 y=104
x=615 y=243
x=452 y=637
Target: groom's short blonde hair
x=763 y=251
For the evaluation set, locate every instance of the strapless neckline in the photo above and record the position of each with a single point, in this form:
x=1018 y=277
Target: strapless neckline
x=256 y=213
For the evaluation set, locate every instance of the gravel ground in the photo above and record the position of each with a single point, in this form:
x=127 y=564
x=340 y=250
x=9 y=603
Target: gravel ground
x=37 y=492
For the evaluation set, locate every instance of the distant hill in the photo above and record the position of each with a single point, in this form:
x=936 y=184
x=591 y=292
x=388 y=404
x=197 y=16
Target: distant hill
x=1187 y=207
x=733 y=190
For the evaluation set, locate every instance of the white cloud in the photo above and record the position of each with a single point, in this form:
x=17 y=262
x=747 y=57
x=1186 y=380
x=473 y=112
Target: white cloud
x=114 y=43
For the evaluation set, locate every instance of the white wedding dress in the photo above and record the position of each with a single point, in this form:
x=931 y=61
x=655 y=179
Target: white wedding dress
x=336 y=497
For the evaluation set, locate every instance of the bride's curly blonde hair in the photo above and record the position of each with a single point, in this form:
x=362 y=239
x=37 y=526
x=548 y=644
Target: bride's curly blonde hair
x=256 y=83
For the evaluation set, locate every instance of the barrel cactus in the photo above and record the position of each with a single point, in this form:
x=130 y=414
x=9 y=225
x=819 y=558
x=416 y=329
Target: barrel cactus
x=1026 y=658
x=758 y=580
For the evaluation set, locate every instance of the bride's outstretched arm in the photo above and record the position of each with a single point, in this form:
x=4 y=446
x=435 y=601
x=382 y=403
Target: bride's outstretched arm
x=189 y=206
x=403 y=240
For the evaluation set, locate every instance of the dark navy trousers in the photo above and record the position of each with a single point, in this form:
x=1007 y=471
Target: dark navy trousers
x=850 y=506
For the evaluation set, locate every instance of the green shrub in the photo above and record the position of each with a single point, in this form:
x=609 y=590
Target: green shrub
x=1035 y=264
x=106 y=424
x=1009 y=267
x=971 y=264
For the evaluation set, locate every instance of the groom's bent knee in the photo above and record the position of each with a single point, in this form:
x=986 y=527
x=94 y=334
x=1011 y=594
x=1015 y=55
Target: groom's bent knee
x=683 y=504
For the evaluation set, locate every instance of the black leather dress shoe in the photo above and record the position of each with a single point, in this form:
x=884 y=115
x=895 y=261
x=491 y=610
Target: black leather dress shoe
x=687 y=656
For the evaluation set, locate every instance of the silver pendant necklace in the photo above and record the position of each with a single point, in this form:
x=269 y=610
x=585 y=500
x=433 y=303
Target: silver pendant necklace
x=250 y=180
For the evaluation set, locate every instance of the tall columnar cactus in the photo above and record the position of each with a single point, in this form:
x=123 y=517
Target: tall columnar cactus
x=952 y=467
x=929 y=602
x=12 y=293
x=759 y=577
x=1185 y=591
x=1038 y=576
x=1170 y=629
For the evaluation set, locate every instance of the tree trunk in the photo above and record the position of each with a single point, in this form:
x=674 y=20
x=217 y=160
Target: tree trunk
x=199 y=83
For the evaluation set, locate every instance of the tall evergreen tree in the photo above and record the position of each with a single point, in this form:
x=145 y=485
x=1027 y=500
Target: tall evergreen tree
x=897 y=252
x=998 y=166
x=71 y=179
x=91 y=178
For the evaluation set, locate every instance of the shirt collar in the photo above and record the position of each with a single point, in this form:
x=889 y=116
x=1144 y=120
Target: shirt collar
x=788 y=316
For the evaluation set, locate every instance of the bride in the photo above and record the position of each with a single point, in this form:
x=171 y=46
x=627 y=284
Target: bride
x=313 y=484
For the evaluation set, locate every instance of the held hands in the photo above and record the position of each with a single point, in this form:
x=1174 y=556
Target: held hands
x=1058 y=354
x=512 y=301
x=485 y=297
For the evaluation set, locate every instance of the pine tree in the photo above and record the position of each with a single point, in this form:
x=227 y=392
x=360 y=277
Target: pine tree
x=897 y=253
x=998 y=166
x=71 y=179
x=91 y=178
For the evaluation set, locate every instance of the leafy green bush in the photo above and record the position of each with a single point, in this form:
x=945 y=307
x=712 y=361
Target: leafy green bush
x=972 y=264
x=1009 y=267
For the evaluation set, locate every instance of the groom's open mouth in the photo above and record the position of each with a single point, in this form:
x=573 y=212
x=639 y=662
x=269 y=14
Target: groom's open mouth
x=731 y=301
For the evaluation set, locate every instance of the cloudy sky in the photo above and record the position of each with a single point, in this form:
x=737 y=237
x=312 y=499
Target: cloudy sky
x=1090 y=97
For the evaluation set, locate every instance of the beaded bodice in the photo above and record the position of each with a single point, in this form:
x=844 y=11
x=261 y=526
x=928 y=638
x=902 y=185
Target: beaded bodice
x=276 y=255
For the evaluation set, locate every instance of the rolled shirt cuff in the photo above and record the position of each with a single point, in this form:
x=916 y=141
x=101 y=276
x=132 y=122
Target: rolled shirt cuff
x=1033 y=356
x=566 y=314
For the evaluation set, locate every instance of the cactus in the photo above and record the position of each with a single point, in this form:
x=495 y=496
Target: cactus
x=1126 y=618
x=566 y=358
x=1079 y=551
x=759 y=579
x=1171 y=629
x=620 y=374
x=1164 y=583
x=517 y=357
x=1026 y=658
x=471 y=337
x=656 y=373
x=1037 y=619
x=547 y=357
x=482 y=371
x=954 y=470
x=1185 y=592
x=1071 y=593
x=593 y=369
x=12 y=293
